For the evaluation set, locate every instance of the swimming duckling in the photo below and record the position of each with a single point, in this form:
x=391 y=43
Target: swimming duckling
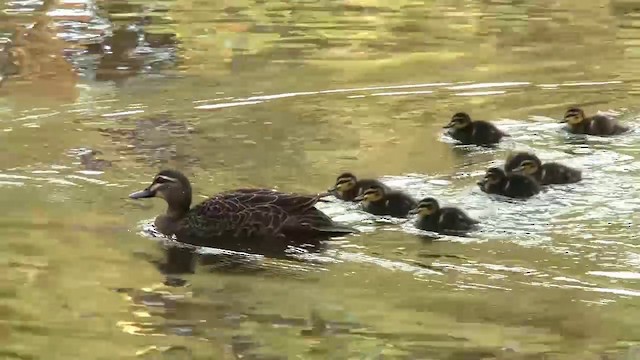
x=546 y=174
x=348 y=187
x=238 y=219
x=594 y=125
x=446 y=220
x=477 y=132
x=377 y=200
x=496 y=181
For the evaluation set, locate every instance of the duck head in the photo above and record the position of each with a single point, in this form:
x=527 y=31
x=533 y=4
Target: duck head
x=494 y=176
x=459 y=121
x=528 y=165
x=573 y=116
x=426 y=207
x=372 y=194
x=514 y=160
x=345 y=182
x=170 y=185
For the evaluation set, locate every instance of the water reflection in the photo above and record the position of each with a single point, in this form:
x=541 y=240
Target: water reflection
x=96 y=96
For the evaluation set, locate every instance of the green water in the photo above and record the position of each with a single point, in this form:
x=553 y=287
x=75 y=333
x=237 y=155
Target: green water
x=288 y=94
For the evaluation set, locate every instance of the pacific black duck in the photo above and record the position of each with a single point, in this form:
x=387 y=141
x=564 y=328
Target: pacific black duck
x=239 y=219
x=496 y=181
x=445 y=220
x=546 y=174
x=348 y=186
x=377 y=200
x=477 y=132
x=578 y=123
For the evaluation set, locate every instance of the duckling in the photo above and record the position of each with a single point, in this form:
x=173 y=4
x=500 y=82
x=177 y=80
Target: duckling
x=377 y=200
x=348 y=187
x=477 y=132
x=546 y=174
x=238 y=219
x=496 y=181
x=446 y=220
x=594 y=125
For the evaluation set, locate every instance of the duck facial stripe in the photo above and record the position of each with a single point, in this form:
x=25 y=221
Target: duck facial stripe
x=162 y=179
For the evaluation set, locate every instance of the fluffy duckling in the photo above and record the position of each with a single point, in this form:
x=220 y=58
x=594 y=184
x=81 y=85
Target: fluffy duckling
x=348 y=187
x=477 y=132
x=496 y=181
x=598 y=125
x=546 y=174
x=378 y=200
x=445 y=220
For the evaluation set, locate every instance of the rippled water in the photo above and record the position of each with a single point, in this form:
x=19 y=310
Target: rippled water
x=96 y=97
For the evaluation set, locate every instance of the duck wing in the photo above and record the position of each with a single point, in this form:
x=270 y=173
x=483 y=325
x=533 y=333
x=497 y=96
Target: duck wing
x=256 y=213
x=455 y=219
x=289 y=202
x=313 y=221
x=520 y=186
x=399 y=203
x=556 y=173
x=486 y=132
x=603 y=125
x=611 y=126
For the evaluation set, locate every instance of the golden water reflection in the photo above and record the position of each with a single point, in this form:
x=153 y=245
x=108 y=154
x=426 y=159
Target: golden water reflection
x=97 y=96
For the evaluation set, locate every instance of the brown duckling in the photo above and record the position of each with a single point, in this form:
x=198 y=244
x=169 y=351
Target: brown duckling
x=520 y=186
x=598 y=125
x=348 y=187
x=546 y=174
x=445 y=220
x=477 y=132
x=378 y=200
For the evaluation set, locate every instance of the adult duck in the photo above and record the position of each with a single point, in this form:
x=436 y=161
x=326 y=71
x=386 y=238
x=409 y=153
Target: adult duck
x=239 y=219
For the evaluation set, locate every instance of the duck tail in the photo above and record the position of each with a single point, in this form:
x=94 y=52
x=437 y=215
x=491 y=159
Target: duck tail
x=316 y=221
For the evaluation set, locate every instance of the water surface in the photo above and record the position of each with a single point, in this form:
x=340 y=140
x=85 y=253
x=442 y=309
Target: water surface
x=288 y=95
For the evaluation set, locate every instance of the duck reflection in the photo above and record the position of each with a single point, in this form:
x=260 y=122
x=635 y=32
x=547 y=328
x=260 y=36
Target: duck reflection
x=120 y=61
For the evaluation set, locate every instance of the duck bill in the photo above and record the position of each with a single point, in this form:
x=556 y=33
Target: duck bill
x=564 y=121
x=518 y=170
x=146 y=193
x=359 y=198
x=414 y=211
x=449 y=125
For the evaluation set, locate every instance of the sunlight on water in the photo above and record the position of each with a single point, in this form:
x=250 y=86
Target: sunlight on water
x=95 y=97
